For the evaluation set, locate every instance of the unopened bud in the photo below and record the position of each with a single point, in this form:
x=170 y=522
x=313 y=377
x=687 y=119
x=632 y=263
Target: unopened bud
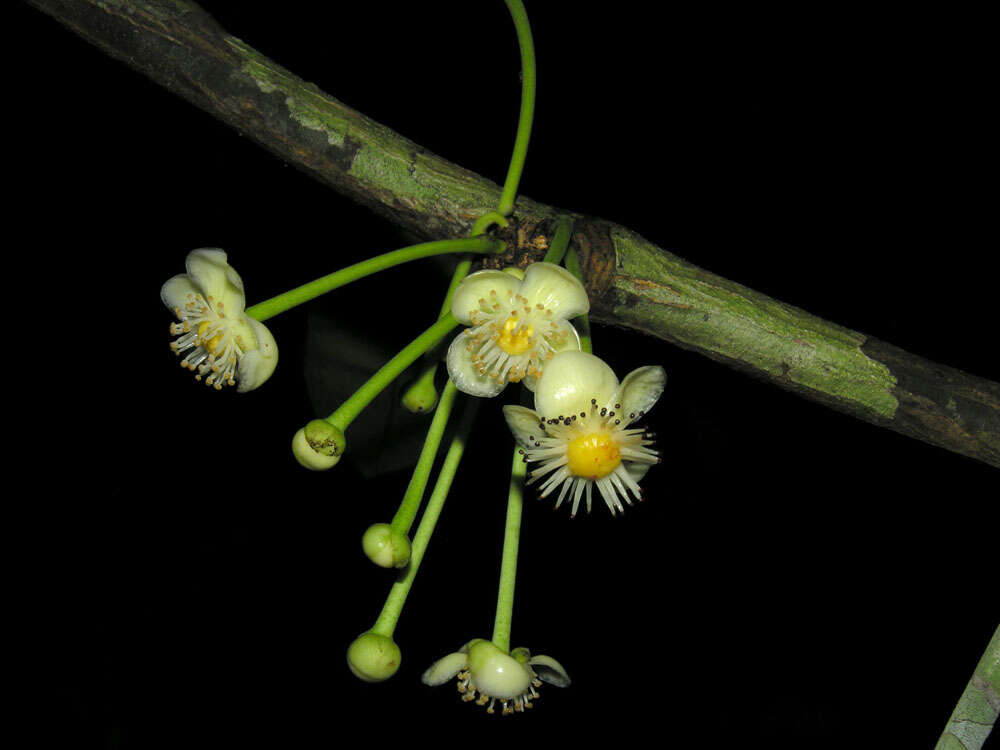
x=421 y=396
x=373 y=658
x=385 y=547
x=319 y=445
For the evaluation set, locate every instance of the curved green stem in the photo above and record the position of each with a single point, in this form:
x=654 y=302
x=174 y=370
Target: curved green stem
x=525 y=42
x=403 y=519
x=560 y=242
x=508 y=566
x=582 y=323
x=487 y=220
x=354 y=405
x=269 y=308
x=393 y=607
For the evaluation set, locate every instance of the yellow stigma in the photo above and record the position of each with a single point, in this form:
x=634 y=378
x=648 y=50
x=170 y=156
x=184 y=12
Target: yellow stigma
x=514 y=341
x=593 y=456
x=211 y=344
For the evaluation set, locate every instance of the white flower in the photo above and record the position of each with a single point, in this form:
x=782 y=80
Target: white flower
x=496 y=675
x=515 y=326
x=580 y=430
x=221 y=341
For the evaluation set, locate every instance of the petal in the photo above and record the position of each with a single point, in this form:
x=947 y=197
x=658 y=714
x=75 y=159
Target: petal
x=477 y=286
x=465 y=376
x=523 y=423
x=570 y=380
x=176 y=292
x=641 y=389
x=571 y=339
x=636 y=470
x=550 y=671
x=212 y=274
x=555 y=288
x=444 y=669
x=257 y=365
x=570 y=342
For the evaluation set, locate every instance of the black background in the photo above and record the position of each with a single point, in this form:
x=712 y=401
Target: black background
x=795 y=578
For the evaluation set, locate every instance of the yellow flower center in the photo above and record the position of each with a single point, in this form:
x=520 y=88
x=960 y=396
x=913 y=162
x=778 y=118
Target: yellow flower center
x=593 y=456
x=211 y=344
x=515 y=341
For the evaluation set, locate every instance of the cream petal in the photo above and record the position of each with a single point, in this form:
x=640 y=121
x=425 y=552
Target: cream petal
x=641 y=389
x=257 y=365
x=636 y=470
x=477 y=286
x=549 y=670
x=444 y=669
x=465 y=376
x=570 y=380
x=571 y=340
x=555 y=288
x=211 y=273
x=523 y=423
x=176 y=292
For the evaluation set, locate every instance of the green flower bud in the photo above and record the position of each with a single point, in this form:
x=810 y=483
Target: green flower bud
x=517 y=273
x=385 y=547
x=319 y=445
x=421 y=396
x=372 y=657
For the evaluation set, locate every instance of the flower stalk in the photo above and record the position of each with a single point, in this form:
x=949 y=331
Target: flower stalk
x=527 y=47
x=356 y=403
x=279 y=304
x=385 y=625
x=582 y=322
x=403 y=519
x=508 y=565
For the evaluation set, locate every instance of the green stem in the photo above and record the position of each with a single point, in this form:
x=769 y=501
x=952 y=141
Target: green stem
x=560 y=242
x=524 y=40
x=582 y=323
x=393 y=607
x=508 y=566
x=487 y=220
x=973 y=718
x=269 y=308
x=403 y=519
x=354 y=405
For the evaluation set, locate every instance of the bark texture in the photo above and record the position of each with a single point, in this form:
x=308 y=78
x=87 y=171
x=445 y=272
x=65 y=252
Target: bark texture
x=632 y=282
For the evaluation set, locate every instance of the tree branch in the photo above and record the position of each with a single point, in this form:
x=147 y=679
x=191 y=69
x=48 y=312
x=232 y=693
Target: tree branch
x=632 y=282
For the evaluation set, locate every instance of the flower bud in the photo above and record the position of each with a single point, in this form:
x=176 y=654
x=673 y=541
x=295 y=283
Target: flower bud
x=517 y=273
x=372 y=657
x=319 y=445
x=385 y=547
x=421 y=396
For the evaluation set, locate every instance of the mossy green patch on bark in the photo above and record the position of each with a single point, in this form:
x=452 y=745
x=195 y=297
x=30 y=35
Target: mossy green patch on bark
x=663 y=293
